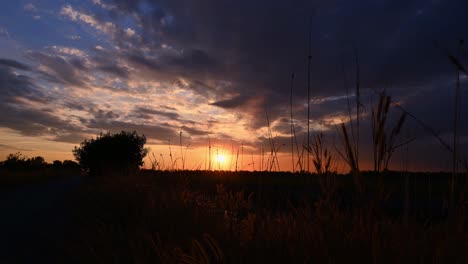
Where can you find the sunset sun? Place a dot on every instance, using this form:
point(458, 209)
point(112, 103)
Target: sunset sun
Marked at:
point(221, 158)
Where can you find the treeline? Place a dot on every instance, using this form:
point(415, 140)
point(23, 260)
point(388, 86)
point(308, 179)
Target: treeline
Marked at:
point(20, 162)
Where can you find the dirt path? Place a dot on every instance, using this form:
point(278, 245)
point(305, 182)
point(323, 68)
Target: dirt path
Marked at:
point(32, 220)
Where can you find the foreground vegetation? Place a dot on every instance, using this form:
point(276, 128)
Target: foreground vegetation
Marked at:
point(249, 217)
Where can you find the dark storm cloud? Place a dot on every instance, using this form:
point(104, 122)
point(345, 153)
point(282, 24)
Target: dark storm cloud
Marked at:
point(73, 137)
point(31, 122)
point(146, 113)
point(240, 54)
point(434, 106)
point(75, 105)
point(235, 102)
point(78, 64)
point(14, 64)
point(14, 85)
point(157, 132)
point(195, 60)
point(59, 70)
point(138, 59)
point(101, 114)
point(114, 70)
point(257, 45)
point(283, 126)
point(17, 114)
point(193, 131)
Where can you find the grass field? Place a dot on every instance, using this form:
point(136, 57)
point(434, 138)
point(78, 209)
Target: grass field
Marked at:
point(258, 217)
point(11, 179)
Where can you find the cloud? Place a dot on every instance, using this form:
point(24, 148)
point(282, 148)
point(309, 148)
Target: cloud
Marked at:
point(111, 29)
point(158, 132)
point(13, 148)
point(102, 4)
point(115, 70)
point(14, 64)
point(105, 27)
point(74, 37)
point(30, 7)
point(235, 102)
point(32, 10)
point(147, 113)
point(70, 51)
point(193, 131)
point(13, 85)
point(57, 69)
point(24, 105)
point(259, 51)
point(4, 32)
point(226, 64)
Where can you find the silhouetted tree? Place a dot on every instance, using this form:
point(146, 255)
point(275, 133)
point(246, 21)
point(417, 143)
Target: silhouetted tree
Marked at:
point(57, 164)
point(16, 161)
point(70, 165)
point(37, 162)
point(118, 154)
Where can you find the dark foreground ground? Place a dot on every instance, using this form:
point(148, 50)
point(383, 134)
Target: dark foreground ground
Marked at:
point(236, 217)
point(33, 219)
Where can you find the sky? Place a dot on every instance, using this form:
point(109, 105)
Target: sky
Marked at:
point(220, 71)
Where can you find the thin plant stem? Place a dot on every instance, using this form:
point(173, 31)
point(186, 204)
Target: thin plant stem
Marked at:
point(309, 59)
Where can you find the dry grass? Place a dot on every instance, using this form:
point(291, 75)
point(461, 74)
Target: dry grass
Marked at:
point(384, 145)
point(171, 220)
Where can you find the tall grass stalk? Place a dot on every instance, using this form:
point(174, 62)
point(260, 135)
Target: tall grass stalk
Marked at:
point(162, 161)
point(384, 145)
point(321, 157)
point(426, 127)
point(293, 131)
point(209, 153)
point(348, 103)
point(242, 156)
point(351, 143)
point(170, 155)
point(456, 119)
point(349, 156)
point(262, 158)
point(253, 162)
point(292, 122)
point(154, 164)
point(309, 59)
point(271, 140)
point(181, 151)
point(358, 105)
point(237, 158)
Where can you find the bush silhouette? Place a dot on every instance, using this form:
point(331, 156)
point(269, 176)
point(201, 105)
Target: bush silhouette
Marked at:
point(15, 161)
point(18, 161)
point(119, 154)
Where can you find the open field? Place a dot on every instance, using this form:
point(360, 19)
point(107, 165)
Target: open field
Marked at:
point(11, 179)
point(253, 217)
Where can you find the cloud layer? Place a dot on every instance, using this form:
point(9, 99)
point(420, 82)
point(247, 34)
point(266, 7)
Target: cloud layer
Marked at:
point(220, 67)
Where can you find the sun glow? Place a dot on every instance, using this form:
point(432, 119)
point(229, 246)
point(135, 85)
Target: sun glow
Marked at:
point(221, 158)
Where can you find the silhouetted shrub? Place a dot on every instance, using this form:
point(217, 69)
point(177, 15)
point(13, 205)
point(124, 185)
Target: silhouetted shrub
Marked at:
point(57, 164)
point(70, 165)
point(15, 161)
point(37, 162)
point(119, 154)
point(18, 161)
